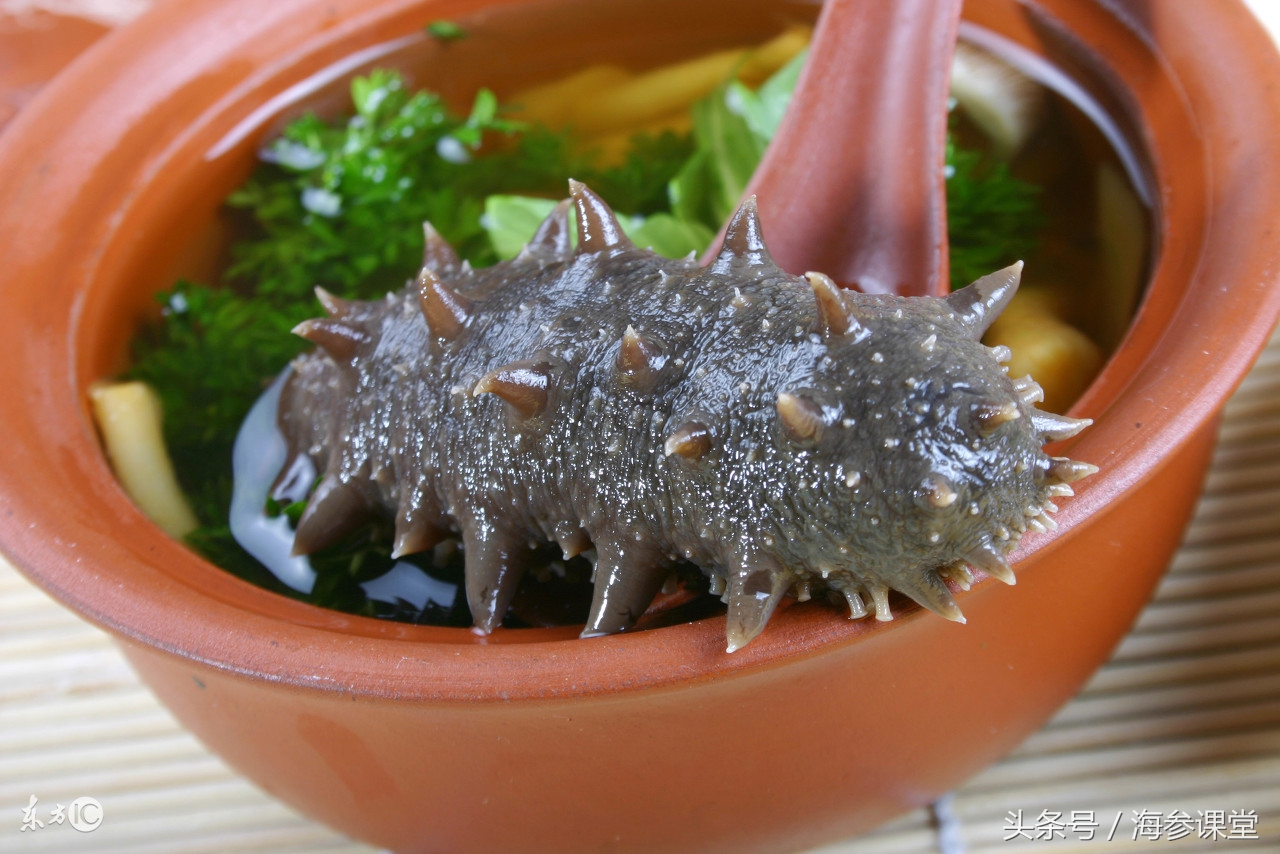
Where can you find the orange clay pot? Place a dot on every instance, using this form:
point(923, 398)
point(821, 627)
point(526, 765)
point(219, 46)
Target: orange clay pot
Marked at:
point(426, 739)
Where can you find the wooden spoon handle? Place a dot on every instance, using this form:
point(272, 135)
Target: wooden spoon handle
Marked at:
point(852, 184)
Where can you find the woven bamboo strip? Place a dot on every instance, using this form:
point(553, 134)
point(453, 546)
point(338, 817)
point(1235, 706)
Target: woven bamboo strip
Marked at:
point(1188, 579)
point(1183, 696)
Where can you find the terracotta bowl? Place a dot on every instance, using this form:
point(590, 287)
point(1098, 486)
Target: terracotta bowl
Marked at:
point(425, 739)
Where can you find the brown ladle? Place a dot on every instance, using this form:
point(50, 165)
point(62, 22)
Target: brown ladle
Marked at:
point(870, 113)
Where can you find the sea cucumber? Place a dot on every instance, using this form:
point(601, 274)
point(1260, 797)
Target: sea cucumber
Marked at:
point(783, 434)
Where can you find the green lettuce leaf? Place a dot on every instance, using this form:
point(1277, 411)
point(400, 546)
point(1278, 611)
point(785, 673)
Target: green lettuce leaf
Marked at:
point(511, 220)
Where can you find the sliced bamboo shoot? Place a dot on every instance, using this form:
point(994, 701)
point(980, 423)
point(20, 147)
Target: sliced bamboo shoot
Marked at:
point(129, 418)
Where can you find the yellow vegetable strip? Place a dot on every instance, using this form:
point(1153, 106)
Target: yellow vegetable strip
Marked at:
point(652, 95)
point(553, 104)
point(1122, 233)
point(760, 63)
point(129, 417)
point(1061, 358)
point(597, 102)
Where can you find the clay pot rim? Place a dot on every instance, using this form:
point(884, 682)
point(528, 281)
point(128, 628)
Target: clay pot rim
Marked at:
point(133, 587)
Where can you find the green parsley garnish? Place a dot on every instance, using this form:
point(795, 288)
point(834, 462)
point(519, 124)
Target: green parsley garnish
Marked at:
point(446, 31)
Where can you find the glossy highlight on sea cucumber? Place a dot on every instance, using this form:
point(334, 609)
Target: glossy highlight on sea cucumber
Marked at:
point(785, 435)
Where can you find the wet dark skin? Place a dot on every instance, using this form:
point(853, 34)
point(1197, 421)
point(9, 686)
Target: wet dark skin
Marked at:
point(783, 434)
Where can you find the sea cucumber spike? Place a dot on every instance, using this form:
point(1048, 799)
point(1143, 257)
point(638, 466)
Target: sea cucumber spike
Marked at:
point(804, 591)
point(1051, 428)
point(338, 338)
point(1002, 354)
point(496, 559)
point(992, 415)
point(1064, 470)
point(880, 596)
point(437, 255)
point(930, 592)
point(717, 585)
point(552, 237)
point(857, 608)
point(939, 492)
point(413, 540)
point(959, 573)
point(988, 558)
point(414, 529)
point(754, 594)
point(1028, 390)
point(627, 579)
point(522, 384)
point(334, 306)
point(834, 317)
point(573, 543)
point(802, 419)
point(690, 440)
point(638, 358)
point(743, 238)
point(446, 312)
point(598, 228)
point(978, 304)
point(1060, 490)
point(335, 510)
